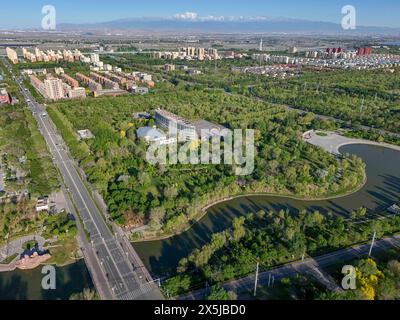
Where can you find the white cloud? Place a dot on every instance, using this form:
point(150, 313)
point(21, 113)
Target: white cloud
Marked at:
point(192, 16)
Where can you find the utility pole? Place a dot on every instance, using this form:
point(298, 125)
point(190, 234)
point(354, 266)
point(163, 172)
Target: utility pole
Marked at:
point(372, 244)
point(362, 104)
point(256, 280)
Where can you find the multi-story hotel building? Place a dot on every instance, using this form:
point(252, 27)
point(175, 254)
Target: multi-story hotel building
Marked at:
point(175, 124)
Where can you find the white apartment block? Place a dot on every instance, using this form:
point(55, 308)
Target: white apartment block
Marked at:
point(54, 88)
point(12, 55)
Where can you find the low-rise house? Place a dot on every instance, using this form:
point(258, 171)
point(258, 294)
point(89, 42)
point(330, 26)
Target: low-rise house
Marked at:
point(43, 204)
point(140, 90)
point(85, 134)
point(193, 72)
point(5, 98)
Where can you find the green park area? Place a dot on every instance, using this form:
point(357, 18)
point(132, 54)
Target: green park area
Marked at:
point(169, 198)
point(276, 238)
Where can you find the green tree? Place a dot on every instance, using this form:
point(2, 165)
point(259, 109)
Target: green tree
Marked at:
point(220, 294)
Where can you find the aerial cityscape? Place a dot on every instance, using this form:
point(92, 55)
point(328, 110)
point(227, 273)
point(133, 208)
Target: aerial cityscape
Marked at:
point(200, 151)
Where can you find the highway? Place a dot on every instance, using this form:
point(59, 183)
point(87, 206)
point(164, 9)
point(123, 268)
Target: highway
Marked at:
point(125, 277)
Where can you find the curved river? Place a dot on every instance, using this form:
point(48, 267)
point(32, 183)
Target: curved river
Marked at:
point(381, 190)
point(161, 257)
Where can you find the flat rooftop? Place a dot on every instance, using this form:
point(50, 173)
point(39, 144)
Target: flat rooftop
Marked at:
point(173, 117)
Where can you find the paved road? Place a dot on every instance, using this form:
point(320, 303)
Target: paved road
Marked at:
point(16, 247)
point(308, 266)
point(333, 141)
point(123, 278)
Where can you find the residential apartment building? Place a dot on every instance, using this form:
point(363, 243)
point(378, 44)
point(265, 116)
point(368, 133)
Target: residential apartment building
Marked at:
point(169, 67)
point(94, 58)
point(71, 81)
point(109, 84)
point(77, 93)
point(12, 55)
point(51, 88)
point(54, 88)
point(93, 85)
point(38, 85)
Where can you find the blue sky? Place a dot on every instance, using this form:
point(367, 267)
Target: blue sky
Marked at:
point(27, 13)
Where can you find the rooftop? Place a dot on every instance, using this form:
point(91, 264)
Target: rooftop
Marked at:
point(214, 129)
point(173, 117)
point(150, 133)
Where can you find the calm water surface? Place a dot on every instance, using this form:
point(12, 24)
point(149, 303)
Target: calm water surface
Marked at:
point(26, 285)
point(382, 190)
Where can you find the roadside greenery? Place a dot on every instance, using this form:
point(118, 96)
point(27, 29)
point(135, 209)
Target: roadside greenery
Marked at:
point(170, 198)
point(220, 294)
point(376, 279)
point(86, 294)
point(23, 151)
point(272, 239)
point(364, 97)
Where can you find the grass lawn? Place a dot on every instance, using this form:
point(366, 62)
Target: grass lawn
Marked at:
point(9, 259)
point(64, 251)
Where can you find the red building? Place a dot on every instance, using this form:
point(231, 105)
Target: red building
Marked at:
point(364, 51)
point(4, 97)
point(334, 50)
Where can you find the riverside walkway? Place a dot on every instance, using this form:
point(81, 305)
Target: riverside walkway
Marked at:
point(15, 248)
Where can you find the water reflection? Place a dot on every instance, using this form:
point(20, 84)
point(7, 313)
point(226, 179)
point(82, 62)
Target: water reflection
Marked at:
point(26, 285)
point(381, 190)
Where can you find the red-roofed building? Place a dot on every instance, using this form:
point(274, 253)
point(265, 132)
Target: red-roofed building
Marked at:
point(4, 97)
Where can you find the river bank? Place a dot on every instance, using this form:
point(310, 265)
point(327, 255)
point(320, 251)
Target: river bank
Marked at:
point(381, 189)
point(319, 141)
point(205, 209)
point(26, 285)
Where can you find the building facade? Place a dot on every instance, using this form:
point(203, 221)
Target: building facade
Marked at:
point(54, 88)
point(176, 125)
point(12, 55)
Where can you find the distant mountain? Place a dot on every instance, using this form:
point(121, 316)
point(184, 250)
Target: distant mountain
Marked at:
point(194, 24)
